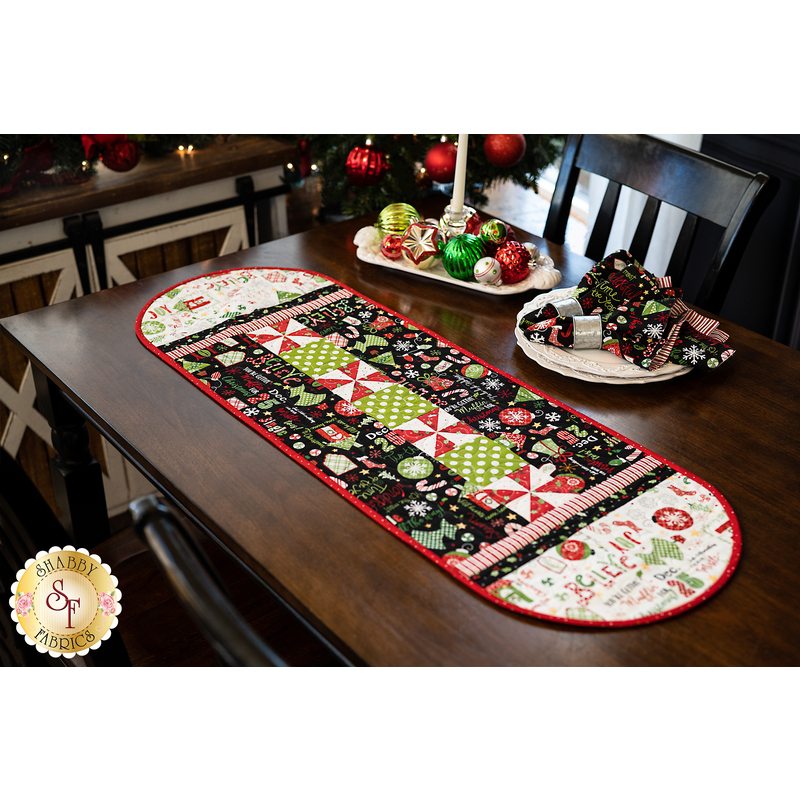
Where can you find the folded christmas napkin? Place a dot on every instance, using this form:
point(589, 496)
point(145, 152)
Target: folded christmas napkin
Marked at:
point(620, 307)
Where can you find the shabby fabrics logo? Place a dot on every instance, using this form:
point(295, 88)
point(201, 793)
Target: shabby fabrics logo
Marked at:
point(65, 602)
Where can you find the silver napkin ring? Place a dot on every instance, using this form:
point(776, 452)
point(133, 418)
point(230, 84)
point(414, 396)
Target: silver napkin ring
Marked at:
point(568, 307)
point(587, 333)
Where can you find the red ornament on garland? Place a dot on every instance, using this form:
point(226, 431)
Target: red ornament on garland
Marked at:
point(504, 149)
point(440, 162)
point(115, 151)
point(514, 261)
point(366, 166)
point(121, 156)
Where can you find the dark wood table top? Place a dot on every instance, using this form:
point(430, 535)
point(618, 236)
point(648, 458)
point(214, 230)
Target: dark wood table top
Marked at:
point(371, 594)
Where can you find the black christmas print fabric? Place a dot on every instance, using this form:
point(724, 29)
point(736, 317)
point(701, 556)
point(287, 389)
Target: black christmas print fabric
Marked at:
point(497, 483)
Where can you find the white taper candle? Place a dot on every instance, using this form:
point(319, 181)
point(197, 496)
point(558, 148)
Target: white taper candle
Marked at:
point(457, 206)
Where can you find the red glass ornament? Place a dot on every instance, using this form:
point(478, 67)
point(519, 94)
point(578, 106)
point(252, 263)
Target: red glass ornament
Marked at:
point(514, 261)
point(440, 162)
point(390, 246)
point(504, 149)
point(121, 156)
point(365, 166)
point(93, 143)
point(474, 222)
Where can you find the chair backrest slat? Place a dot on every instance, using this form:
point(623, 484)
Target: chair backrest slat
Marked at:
point(676, 268)
point(595, 247)
point(644, 230)
point(719, 276)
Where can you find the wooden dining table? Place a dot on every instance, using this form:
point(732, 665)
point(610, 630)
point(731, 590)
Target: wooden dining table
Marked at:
point(372, 598)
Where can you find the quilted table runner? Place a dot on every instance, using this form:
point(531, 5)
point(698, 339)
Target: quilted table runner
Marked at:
point(529, 503)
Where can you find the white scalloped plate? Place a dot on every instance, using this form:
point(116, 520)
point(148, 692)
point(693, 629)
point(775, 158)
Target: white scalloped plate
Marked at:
point(596, 366)
point(367, 251)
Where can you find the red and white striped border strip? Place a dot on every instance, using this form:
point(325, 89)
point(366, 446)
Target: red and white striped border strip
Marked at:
point(246, 327)
point(544, 524)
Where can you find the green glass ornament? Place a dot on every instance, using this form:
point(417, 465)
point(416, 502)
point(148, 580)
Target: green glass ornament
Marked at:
point(460, 255)
point(396, 218)
point(494, 230)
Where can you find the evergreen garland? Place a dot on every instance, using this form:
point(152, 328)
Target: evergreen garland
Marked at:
point(61, 159)
point(61, 156)
point(405, 154)
point(31, 158)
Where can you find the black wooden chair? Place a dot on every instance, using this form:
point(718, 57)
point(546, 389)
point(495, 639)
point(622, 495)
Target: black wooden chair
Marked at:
point(201, 592)
point(707, 189)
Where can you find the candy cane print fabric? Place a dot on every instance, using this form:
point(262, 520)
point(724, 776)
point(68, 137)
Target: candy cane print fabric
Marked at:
point(530, 504)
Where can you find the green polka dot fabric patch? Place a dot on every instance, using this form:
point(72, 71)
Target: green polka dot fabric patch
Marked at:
point(529, 504)
point(394, 406)
point(318, 357)
point(482, 461)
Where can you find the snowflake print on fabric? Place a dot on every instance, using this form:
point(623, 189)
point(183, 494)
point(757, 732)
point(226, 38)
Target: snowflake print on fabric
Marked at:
point(489, 425)
point(693, 354)
point(674, 519)
point(415, 467)
point(516, 416)
point(654, 331)
point(416, 508)
point(495, 482)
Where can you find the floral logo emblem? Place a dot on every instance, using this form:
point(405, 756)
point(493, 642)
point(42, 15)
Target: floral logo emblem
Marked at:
point(65, 602)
